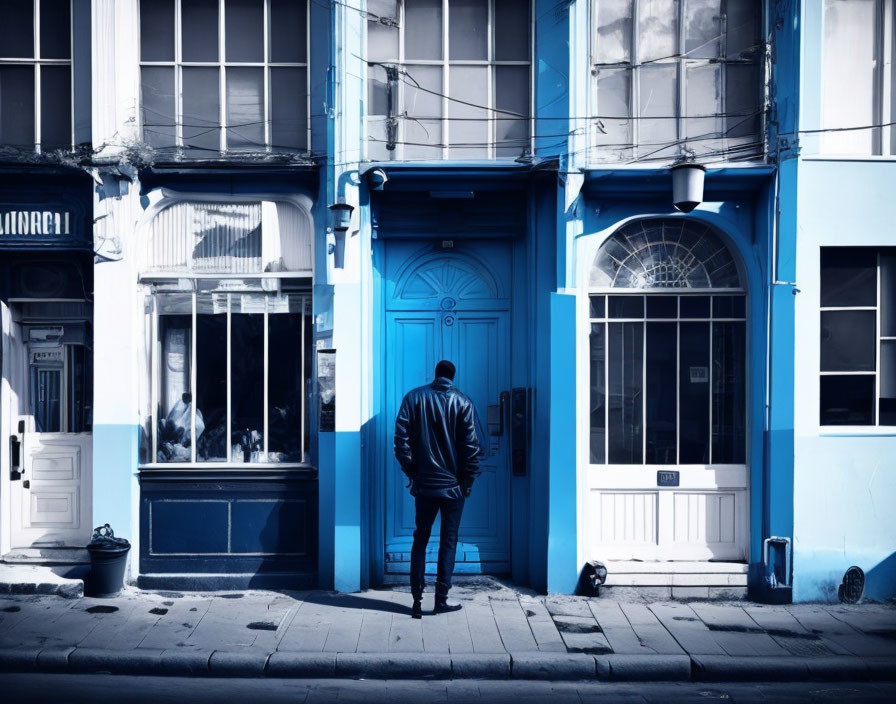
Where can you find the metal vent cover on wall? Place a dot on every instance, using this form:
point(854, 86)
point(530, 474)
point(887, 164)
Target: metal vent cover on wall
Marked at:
point(853, 586)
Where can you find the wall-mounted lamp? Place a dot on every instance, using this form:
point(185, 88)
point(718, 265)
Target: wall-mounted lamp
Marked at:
point(687, 185)
point(340, 220)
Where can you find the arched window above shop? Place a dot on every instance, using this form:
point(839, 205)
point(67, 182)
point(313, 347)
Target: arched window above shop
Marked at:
point(668, 253)
point(224, 238)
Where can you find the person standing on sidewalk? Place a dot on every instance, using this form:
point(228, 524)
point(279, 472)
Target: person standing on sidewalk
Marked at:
point(438, 448)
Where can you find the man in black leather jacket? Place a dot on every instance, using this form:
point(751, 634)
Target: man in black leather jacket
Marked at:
point(438, 448)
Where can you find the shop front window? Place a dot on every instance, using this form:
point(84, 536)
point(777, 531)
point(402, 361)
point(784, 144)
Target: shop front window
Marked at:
point(667, 346)
point(232, 374)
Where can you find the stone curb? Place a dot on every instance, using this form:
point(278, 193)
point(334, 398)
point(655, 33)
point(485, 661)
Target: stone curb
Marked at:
point(426, 666)
point(643, 668)
point(70, 589)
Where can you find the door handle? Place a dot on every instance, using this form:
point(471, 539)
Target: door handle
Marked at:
point(15, 458)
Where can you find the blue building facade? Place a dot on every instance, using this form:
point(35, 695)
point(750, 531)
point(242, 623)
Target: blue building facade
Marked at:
point(299, 208)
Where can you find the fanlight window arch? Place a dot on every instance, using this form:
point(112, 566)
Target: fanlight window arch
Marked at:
point(664, 254)
point(667, 338)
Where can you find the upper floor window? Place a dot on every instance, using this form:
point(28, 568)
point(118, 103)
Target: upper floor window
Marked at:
point(448, 79)
point(673, 78)
point(224, 75)
point(857, 66)
point(36, 75)
point(858, 336)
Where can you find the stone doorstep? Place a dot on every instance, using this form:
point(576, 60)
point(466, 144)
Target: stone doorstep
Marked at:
point(523, 666)
point(46, 556)
point(625, 573)
point(37, 579)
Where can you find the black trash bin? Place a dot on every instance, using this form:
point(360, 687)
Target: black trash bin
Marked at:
point(108, 560)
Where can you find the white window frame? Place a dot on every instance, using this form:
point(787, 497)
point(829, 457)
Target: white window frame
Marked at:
point(37, 62)
point(644, 319)
point(884, 137)
point(222, 65)
point(681, 62)
point(445, 64)
point(836, 429)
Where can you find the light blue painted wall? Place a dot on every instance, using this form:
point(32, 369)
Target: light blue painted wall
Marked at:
point(114, 482)
point(844, 482)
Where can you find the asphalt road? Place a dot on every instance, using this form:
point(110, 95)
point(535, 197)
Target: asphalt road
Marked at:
point(120, 689)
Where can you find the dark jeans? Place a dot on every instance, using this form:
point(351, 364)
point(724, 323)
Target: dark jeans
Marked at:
point(427, 508)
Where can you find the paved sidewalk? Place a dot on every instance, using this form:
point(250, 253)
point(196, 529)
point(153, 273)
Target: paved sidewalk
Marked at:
point(501, 633)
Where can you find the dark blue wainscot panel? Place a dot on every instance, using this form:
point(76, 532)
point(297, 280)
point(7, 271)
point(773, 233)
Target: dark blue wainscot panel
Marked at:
point(228, 529)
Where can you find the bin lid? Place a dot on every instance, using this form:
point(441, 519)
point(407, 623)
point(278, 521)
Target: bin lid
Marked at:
point(104, 540)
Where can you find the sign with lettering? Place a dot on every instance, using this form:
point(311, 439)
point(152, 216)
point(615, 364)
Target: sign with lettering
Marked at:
point(667, 477)
point(32, 224)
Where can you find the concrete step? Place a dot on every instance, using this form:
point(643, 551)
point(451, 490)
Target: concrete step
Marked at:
point(47, 556)
point(676, 574)
point(38, 579)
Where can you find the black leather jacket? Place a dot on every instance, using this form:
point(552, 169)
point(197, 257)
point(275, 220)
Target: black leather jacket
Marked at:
point(436, 439)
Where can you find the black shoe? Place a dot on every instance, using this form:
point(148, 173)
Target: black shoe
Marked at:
point(417, 609)
point(443, 607)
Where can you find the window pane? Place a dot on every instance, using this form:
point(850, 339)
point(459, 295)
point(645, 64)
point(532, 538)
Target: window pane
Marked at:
point(469, 126)
point(247, 383)
point(423, 104)
point(743, 85)
point(511, 30)
point(597, 305)
point(848, 276)
point(511, 96)
point(55, 29)
point(728, 393)
point(157, 89)
point(598, 393)
point(382, 42)
point(848, 339)
point(613, 110)
point(245, 108)
point(728, 307)
point(174, 439)
point(742, 22)
point(80, 381)
point(662, 306)
point(244, 30)
point(199, 30)
point(626, 382)
point(657, 29)
point(848, 58)
point(661, 392)
point(56, 107)
point(288, 108)
point(468, 29)
point(423, 29)
point(626, 307)
point(285, 387)
point(703, 29)
point(659, 100)
point(211, 379)
point(847, 400)
point(46, 399)
point(694, 306)
point(18, 44)
point(288, 31)
point(703, 124)
point(201, 107)
point(887, 383)
point(887, 295)
point(693, 401)
point(613, 43)
point(17, 106)
point(157, 30)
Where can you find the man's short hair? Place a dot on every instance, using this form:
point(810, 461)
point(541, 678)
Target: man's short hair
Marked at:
point(445, 369)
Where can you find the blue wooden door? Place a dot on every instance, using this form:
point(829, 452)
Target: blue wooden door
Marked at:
point(450, 306)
